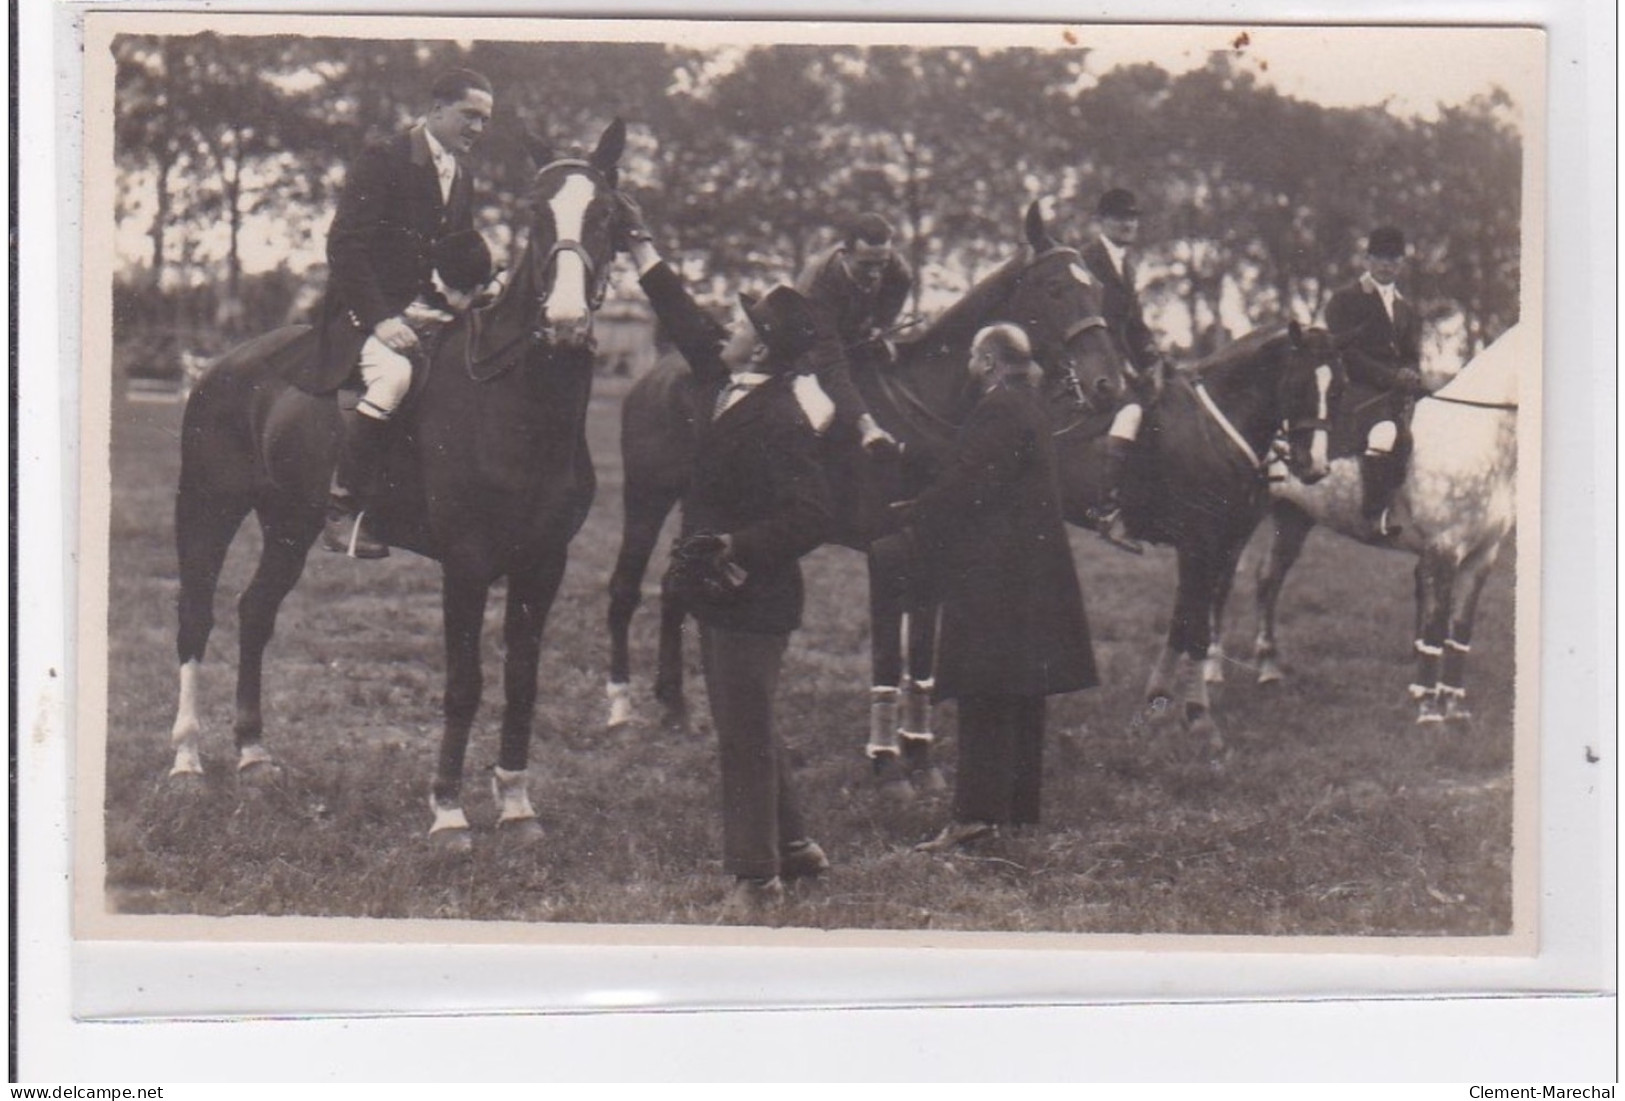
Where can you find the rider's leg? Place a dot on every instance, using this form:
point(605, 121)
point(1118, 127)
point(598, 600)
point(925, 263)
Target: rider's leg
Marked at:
point(387, 375)
point(1107, 517)
point(1382, 472)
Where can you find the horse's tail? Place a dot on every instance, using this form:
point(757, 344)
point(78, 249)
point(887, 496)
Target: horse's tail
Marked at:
point(218, 446)
point(658, 425)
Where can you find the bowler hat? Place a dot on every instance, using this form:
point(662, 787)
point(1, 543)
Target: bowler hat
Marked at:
point(1119, 202)
point(463, 259)
point(1386, 242)
point(784, 321)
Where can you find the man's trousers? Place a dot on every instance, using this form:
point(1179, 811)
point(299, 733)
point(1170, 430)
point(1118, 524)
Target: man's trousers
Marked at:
point(759, 812)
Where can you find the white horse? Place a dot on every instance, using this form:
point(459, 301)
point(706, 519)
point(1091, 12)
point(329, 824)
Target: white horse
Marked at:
point(1456, 510)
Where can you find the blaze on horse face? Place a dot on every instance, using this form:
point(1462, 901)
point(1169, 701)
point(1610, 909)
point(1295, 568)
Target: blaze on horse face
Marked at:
point(1310, 388)
point(1059, 304)
point(571, 242)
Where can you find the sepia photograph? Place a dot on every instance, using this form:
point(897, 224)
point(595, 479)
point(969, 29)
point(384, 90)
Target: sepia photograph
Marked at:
point(972, 484)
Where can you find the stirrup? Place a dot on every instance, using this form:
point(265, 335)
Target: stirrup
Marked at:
point(1112, 529)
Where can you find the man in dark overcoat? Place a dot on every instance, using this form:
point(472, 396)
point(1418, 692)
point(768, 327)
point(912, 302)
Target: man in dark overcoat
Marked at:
point(1380, 334)
point(757, 501)
point(1013, 625)
point(401, 199)
point(1109, 260)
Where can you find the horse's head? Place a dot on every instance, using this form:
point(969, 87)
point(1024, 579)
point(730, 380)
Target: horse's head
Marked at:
point(1309, 389)
point(567, 261)
point(1058, 302)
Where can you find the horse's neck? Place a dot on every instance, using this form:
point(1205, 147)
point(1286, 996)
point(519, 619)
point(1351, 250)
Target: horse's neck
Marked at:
point(1491, 377)
point(935, 371)
point(1245, 393)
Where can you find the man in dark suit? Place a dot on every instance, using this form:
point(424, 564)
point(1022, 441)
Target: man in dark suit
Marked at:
point(1013, 625)
point(860, 286)
point(1380, 334)
point(1108, 259)
point(402, 198)
point(756, 503)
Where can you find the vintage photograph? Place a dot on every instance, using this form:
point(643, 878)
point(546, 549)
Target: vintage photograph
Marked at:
point(899, 478)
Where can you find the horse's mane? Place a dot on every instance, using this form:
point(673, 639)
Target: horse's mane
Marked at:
point(1241, 349)
point(961, 320)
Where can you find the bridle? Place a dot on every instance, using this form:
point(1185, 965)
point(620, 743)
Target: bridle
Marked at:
point(542, 265)
point(1067, 363)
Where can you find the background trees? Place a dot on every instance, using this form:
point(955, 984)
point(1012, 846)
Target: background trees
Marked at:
point(229, 151)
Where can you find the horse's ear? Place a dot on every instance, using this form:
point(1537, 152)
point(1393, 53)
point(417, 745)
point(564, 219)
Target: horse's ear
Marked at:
point(1037, 235)
point(539, 150)
point(610, 145)
point(1294, 332)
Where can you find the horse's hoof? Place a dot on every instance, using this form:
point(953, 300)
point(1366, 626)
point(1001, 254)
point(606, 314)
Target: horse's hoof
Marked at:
point(930, 779)
point(524, 832)
point(188, 762)
point(452, 842)
point(1202, 726)
point(1213, 671)
point(890, 778)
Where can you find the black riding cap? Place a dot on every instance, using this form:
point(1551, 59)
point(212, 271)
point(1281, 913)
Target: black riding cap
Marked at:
point(1119, 202)
point(1386, 242)
point(784, 321)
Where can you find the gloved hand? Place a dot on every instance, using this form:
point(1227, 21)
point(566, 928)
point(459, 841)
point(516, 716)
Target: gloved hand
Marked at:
point(1411, 382)
point(629, 224)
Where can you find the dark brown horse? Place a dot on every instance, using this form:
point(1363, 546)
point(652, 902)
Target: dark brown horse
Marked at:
point(489, 474)
point(920, 399)
point(1201, 485)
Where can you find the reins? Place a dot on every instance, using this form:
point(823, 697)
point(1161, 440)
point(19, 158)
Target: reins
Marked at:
point(1500, 406)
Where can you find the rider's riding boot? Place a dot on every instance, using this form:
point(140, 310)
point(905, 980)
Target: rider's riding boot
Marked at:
point(1107, 517)
point(360, 456)
point(1381, 475)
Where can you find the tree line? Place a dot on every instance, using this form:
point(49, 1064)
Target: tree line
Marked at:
point(746, 158)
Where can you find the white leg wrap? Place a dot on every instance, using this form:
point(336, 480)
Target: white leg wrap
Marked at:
point(916, 719)
point(1213, 667)
point(882, 722)
point(620, 703)
point(512, 796)
point(446, 818)
point(183, 736)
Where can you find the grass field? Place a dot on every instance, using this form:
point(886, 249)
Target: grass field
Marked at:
point(1329, 812)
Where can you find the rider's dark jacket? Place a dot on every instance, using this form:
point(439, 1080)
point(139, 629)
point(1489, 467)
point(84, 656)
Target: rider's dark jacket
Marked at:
point(1375, 349)
point(380, 246)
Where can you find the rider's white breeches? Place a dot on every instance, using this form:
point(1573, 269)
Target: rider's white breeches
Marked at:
point(387, 375)
point(1126, 425)
point(1382, 437)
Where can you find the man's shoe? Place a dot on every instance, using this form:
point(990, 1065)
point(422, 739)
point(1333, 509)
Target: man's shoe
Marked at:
point(751, 899)
point(345, 532)
point(956, 835)
point(1114, 530)
point(802, 860)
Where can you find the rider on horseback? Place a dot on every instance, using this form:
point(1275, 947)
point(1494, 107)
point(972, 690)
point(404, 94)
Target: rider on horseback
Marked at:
point(1381, 337)
point(860, 285)
point(1107, 259)
point(401, 251)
